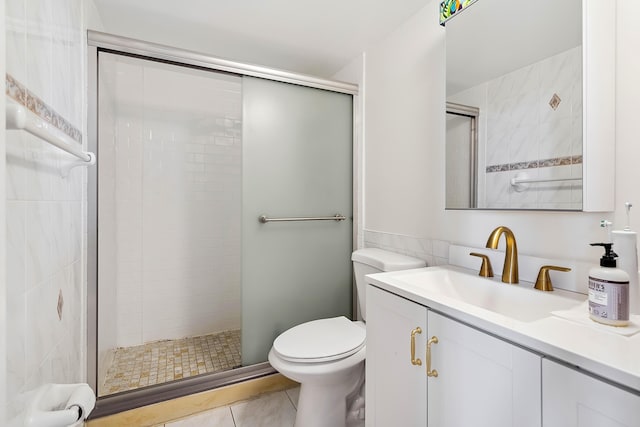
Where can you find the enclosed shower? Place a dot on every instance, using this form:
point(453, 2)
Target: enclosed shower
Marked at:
point(169, 198)
point(221, 212)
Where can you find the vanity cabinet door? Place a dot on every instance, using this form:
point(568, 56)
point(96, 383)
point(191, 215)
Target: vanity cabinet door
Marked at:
point(482, 381)
point(396, 386)
point(573, 399)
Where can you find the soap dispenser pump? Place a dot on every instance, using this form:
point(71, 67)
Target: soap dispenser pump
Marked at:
point(608, 290)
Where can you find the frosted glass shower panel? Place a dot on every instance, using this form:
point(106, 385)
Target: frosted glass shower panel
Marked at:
point(169, 211)
point(297, 162)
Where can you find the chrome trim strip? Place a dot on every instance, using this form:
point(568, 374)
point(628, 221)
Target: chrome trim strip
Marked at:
point(124, 401)
point(167, 53)
point(92, 220)
point(462, 110)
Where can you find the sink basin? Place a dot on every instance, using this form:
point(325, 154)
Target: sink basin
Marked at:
point(452, 285)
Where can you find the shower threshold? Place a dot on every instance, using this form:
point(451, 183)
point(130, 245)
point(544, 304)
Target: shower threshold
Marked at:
point(169, 360)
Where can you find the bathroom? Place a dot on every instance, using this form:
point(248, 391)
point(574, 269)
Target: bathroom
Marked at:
point(399, 177)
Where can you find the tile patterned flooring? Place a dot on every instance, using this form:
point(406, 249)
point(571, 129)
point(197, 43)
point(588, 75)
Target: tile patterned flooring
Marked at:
point(168, 360)
point(276, 409)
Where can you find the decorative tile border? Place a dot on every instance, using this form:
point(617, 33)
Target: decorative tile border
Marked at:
point(19, 93)
point(534, 164)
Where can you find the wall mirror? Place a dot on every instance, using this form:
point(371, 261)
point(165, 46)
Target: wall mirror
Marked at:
point(521, 97)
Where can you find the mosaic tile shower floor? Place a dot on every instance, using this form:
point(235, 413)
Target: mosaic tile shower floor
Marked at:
point(163, 361)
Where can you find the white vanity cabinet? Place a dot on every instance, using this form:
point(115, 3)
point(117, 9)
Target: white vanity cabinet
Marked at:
point(396, 387)
point(573, 399)
point(481, 380)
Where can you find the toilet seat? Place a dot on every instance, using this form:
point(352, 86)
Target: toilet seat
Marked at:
point(321, 340)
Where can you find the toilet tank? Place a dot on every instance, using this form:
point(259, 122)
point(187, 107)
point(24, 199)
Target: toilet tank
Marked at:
point(374, 260)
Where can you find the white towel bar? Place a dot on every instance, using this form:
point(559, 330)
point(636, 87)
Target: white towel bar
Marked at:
point(18, 118)
point(520, 181)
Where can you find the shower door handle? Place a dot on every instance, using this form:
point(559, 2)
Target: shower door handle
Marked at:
point(337, 217)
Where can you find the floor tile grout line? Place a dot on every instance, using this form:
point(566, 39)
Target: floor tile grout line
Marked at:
point(290, 400)
point(233, 417)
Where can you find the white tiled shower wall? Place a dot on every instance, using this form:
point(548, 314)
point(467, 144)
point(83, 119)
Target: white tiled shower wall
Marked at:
point(519, 126)
point(170, 188)
point(107, 295)
point(45, 227)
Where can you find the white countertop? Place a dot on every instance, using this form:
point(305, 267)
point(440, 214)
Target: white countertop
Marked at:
point(592, 348)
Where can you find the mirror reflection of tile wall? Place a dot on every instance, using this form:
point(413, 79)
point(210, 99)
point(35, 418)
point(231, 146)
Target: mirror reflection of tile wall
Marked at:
point(521, 133)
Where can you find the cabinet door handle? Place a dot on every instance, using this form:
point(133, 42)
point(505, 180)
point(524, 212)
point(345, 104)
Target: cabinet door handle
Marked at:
point(431, 372)
point(414, 361)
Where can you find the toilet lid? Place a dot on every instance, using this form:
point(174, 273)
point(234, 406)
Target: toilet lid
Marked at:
point(320, 340)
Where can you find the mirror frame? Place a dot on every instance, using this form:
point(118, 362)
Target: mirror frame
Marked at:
point(598, 108)
point(599, 102)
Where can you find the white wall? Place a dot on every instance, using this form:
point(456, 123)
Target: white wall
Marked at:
point(404, 121)
point(353, 72)
point(405, 151)
point(44, 211)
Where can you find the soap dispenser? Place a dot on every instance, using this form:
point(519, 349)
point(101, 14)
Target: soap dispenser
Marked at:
point(608, 290)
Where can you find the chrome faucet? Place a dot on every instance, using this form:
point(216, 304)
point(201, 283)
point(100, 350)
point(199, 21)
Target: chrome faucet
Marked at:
point(510, 267)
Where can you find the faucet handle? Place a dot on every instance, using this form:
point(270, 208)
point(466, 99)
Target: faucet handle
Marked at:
point(543, 282)
point(485, 268)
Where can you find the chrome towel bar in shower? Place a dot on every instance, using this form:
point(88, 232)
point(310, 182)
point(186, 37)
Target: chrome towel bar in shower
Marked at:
point(337, 217)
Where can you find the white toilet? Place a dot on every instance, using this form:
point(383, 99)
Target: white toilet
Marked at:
point(327, 356)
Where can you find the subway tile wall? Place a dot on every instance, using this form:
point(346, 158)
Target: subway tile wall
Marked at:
point(45, 228)
point(170, 201)
point(107, 295)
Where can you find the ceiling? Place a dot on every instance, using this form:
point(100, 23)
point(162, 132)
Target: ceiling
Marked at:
point(311, 37)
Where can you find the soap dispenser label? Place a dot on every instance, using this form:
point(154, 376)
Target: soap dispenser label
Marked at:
point(608, 299)
point(597, 295)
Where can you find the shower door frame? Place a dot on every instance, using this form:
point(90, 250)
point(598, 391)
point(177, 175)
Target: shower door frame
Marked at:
point(103, 42)
point(473, 114)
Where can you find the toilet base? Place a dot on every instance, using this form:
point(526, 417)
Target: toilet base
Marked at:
point(323, 405)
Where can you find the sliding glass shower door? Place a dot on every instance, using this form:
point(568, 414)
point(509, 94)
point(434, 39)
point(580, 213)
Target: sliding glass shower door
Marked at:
point(297, 162)
point(189, 282)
